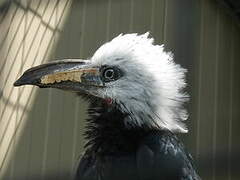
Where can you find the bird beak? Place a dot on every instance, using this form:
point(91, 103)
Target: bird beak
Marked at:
point(72, 74)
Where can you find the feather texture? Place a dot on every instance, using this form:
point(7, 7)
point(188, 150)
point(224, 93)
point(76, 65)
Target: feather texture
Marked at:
point(152, 85)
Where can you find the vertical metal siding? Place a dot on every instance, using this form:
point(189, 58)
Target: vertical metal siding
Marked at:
point(41, 130)
point(207, 81)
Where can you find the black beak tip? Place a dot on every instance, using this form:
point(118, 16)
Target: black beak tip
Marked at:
point(23, 81)
point(19, 82)
point(16, 83)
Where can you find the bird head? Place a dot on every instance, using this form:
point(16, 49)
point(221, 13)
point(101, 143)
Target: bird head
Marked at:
point(129, 72)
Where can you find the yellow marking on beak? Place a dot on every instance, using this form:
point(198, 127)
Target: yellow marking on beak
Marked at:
point(74, 76)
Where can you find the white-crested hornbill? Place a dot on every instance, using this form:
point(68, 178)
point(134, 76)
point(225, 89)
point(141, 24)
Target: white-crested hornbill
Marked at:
point(136, 92)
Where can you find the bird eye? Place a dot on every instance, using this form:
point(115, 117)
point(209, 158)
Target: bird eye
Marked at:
point(110, 74)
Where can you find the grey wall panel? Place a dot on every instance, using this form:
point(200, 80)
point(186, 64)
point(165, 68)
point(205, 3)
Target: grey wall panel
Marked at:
point(234, 141)
point(223, 95)
point(95, 26)
point(207, 77)
point(141, 16)
point(119, 20)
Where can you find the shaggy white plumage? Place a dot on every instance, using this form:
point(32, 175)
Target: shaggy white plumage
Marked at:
point(151, 88)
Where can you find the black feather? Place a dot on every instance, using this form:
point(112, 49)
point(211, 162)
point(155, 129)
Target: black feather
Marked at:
point(114, 152)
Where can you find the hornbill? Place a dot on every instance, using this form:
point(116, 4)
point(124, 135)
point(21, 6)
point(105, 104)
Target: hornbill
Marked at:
point(136, 94)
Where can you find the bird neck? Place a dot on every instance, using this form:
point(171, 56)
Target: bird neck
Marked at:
point(107, 134)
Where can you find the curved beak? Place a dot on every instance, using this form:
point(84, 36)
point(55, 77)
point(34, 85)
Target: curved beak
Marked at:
point(69, 74)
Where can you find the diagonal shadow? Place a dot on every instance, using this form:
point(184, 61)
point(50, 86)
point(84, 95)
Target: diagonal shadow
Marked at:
point(15, 34)
point(36, 14)
point(4, 8)
point(28, 29)
point(28, 52)
point(44, 57)
point(11, 22)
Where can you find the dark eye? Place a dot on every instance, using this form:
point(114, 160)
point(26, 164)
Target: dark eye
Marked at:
point(111, 74)
point(108, 74)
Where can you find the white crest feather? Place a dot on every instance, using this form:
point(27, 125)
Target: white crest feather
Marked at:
point(151, 88)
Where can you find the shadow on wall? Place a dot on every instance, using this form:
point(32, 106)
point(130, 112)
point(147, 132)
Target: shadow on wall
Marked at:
point(51, 141)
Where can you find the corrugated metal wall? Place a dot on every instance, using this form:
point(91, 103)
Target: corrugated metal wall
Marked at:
point(41, 129)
